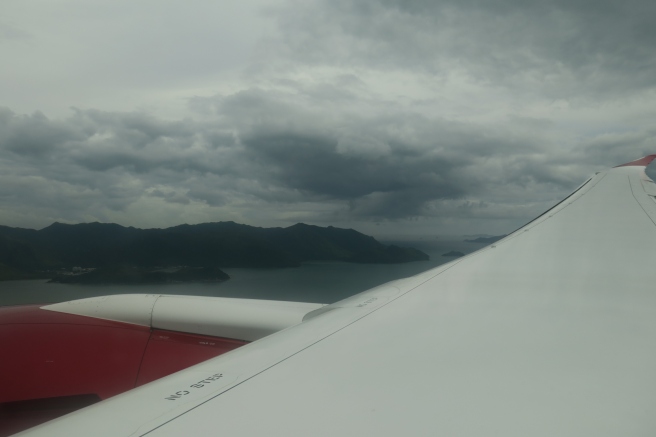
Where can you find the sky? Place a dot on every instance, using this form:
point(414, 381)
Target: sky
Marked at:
point(398, 118)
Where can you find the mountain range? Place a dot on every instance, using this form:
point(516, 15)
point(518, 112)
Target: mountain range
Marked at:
point(29, 253)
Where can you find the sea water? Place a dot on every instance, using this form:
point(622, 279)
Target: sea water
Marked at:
point(320, 282)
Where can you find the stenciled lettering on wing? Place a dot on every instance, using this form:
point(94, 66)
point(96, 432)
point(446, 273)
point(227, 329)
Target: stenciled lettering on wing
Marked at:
point(367, 302)
point(177, 395)
point(200, 384)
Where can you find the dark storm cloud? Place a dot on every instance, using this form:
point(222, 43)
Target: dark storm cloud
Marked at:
point(97, 159)
point(386, 186)
point(211, 195)
point(140, 143)
point(387, 165)
point(170, 197)
point(565, 48)
point(277, 149)
point(327, 111)
point(260, 145)
point(34, 135)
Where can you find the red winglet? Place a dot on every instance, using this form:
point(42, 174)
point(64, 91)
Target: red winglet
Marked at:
point(642, 162)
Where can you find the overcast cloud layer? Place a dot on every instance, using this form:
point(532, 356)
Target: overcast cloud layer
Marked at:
point(393, 117)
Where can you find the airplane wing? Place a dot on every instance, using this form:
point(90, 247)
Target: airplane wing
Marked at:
point(548, 332)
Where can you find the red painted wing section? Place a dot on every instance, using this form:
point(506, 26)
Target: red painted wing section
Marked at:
point(52, 354)
point(53, 363)
point(642, 162)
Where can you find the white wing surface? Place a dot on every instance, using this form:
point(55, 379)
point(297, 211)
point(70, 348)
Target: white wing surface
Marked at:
point(548, 332)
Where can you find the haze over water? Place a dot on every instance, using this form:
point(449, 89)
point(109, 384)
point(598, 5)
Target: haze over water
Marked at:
point(322, 282)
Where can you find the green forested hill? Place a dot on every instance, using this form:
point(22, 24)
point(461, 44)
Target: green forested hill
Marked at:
point(209, 245)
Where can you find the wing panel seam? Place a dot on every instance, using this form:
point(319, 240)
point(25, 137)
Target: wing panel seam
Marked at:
point(640, 203)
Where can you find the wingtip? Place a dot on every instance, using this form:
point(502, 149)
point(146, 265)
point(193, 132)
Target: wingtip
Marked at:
point(642, 162)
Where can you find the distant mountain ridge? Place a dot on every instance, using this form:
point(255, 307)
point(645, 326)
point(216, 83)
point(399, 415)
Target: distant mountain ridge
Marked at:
point(486, 240)
point(220, 244)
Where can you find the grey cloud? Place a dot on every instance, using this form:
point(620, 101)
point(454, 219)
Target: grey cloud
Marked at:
point(613, 148)
point(109, 160)
point(34, 135)
point(567, 49)
point(401, 204)
point(393, 164)
point(386, 166)
point(97, 160)
point(138, 128)
point(263, 151)
point(314, 164)
point(212, 197)
point(256, 108)
point(171, 197)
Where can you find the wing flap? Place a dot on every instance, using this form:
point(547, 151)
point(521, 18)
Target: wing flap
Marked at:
point(153, 405)
point(242, 319)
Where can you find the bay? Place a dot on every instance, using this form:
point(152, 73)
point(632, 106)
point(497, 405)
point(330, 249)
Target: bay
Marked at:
point(320, 282)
